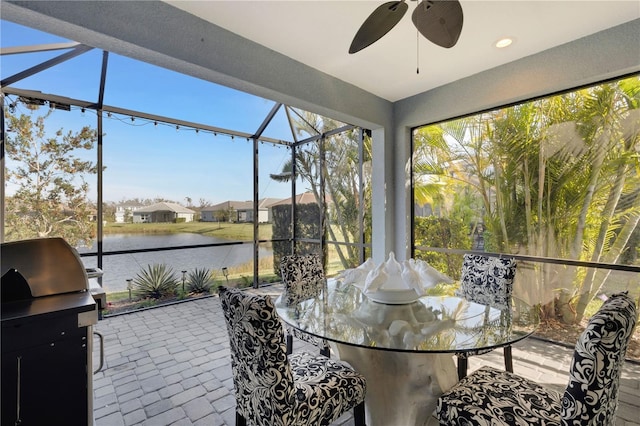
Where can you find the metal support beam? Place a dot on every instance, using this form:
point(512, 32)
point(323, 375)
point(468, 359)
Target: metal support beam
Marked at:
point(37, 48)
point(78, 50)
point(267, 120)
point(137, 114)
point(2, 167)
point(256, 228)
point(100, 118)
point(361, 230)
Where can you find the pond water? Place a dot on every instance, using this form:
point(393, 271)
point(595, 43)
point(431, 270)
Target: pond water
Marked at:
point(118, 268)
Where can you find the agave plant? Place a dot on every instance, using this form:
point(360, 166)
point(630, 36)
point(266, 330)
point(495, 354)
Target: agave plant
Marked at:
point(200, 280)
point(155, 281)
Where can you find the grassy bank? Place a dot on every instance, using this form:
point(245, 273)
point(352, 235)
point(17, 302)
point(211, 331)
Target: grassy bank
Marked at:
point(228, 231)
point(239, 276)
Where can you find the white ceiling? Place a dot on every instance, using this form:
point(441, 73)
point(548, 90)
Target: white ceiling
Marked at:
point(318, 33)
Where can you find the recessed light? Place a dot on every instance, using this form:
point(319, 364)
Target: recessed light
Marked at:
point(504, 42)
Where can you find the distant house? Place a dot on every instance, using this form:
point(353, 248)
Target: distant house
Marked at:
point(238, 211)
point(307, 199)
point(304, 198)
point(125, 210)
point(228, 211)
point(162, 213)
point(264, 209)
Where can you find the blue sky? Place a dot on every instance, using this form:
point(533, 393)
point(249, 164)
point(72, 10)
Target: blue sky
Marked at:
point(147, 160)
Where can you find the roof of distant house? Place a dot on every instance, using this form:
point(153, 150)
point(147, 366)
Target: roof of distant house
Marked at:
point(304, 198)
point(268, 202)
point(241, 205)
point(228, 205)
point(173, 207)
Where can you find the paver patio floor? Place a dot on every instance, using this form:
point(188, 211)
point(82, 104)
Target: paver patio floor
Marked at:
point(170, 366)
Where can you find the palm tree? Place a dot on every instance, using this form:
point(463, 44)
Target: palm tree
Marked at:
point(612, 126)
point(330, 167)
point(557, 178)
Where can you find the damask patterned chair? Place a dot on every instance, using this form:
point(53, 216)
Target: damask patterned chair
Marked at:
point(303, 278)
point(273, 389)
point(493, 397)
point(486, 280)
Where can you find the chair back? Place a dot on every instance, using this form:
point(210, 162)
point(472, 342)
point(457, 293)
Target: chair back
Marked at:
point(302, 276)
point(261, 372)
point(591, 397)
point(487, 280)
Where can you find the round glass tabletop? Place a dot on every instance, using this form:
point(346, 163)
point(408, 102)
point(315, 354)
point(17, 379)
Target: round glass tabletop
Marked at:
point(342, 313)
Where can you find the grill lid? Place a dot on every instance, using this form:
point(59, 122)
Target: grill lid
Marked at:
point(14, 287)
point(49, 266)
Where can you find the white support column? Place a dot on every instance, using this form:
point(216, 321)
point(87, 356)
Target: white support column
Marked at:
point(382, 195)
point(402, 193)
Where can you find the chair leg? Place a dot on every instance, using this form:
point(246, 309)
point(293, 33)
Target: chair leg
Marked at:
point(326, 351)
point(462, 368)
point(240, 420)
point(358, 415)
point(508, 360)
point(289, 344)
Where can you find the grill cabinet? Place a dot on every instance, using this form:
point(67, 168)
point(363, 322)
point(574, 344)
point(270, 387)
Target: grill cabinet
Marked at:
point(47, 314)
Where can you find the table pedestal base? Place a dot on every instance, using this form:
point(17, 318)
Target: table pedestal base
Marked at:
point(402, 387)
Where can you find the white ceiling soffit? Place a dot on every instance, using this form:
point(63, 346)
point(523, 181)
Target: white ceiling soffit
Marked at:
point(318, 34)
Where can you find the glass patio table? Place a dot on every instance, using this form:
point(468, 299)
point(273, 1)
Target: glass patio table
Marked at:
point(405, 351)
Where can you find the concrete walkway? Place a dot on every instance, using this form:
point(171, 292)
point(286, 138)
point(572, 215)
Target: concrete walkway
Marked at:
point(171, 366)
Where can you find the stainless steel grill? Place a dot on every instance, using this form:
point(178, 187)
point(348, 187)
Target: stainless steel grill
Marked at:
point(47, 314)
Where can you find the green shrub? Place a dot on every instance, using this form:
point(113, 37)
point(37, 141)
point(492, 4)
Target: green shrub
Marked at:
point(432, 231)
point(155, 282)
point(307, 225)
point(200, 280)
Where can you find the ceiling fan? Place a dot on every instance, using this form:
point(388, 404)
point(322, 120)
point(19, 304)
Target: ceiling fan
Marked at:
point(439, 21)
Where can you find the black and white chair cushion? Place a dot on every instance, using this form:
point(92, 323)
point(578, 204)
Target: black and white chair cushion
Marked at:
point(493, 397)
point(273, 389)
point(488, 281)
point(303, 278)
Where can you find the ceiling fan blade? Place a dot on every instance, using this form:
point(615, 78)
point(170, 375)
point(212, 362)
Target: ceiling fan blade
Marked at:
point(440, 21)
point(380, 22)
